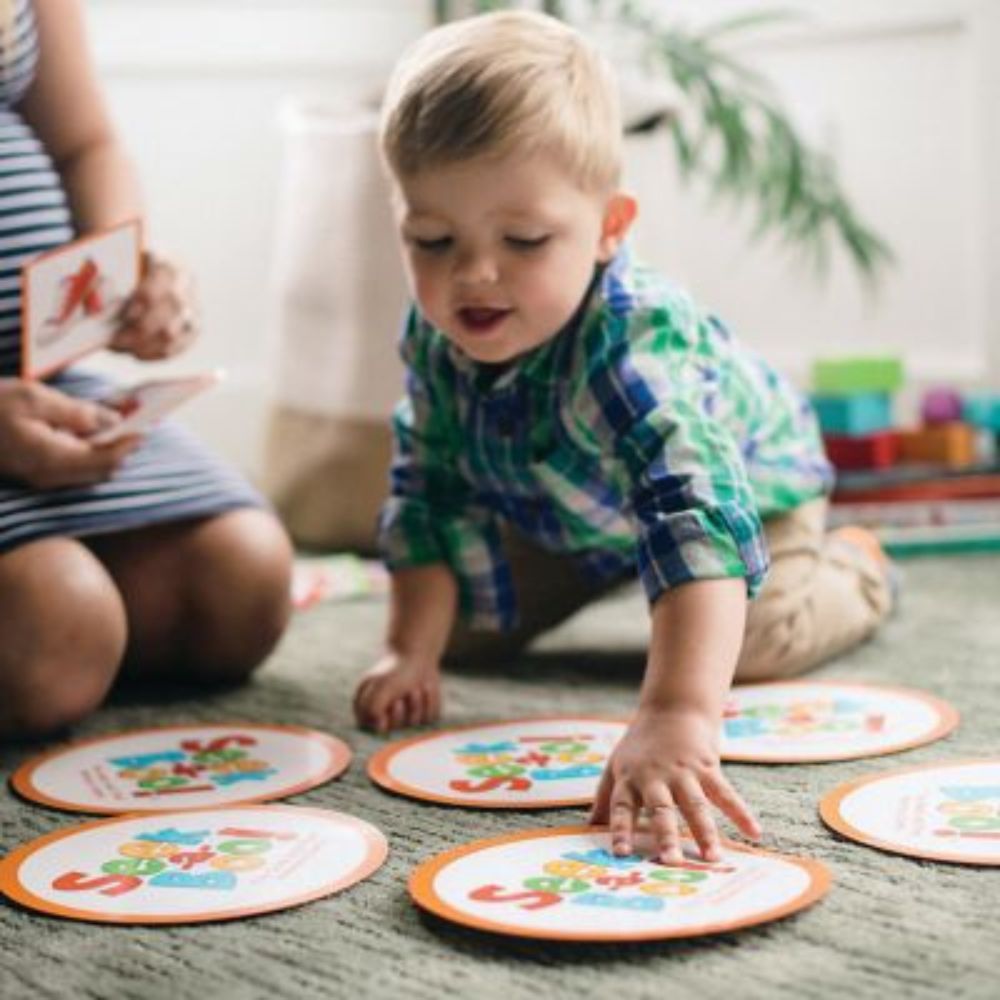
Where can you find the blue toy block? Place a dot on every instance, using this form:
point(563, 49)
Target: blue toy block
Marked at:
point(855, 415)
point(983, 410)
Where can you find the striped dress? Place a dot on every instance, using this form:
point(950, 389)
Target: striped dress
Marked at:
point(170, 477)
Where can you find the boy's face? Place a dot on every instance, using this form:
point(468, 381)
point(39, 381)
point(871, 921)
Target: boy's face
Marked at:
point(500, 252)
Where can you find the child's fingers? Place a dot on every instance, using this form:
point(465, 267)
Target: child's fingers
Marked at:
point(397, 713)
point(600, 810)
point(622, 822)
point(697, 811)
point(723, 795)
point(663, 822)
point(362, 695)
point(416, 707)
point(434, 703)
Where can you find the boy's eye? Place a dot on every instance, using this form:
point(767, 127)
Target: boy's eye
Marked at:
point(437, 245)
point(525, 242)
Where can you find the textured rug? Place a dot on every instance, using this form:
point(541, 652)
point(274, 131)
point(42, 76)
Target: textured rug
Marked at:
point(891, 927)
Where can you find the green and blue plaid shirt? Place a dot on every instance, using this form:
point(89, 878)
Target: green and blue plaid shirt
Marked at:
point(641, 437)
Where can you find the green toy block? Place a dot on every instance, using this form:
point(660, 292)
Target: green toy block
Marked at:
point(846, 376)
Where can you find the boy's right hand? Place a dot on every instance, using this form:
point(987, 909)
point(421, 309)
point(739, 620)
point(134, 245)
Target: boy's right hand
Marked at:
point(43, 437)
point(398, 691)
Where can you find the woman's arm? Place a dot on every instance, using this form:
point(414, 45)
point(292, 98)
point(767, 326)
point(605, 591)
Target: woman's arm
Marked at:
point(67, 110)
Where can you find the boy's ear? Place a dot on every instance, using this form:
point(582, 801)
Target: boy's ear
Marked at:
point(619, 215)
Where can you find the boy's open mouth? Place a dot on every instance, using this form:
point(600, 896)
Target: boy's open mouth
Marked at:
point(482, 319)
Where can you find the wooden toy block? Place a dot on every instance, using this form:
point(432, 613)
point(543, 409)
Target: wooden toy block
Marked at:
point(868, 451)
point(855, 415)
point(941, 406)
point(953, 444)
point(844, 376)
point(983, 410)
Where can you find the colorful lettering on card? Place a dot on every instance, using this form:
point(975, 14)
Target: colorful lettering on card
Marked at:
point(943, 812)
point(182, 767)
point(191, 866)
point(800, 721)
point(566, 884)
point(522, 764)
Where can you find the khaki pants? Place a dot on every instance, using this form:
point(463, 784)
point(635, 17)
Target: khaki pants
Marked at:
point(822, 597)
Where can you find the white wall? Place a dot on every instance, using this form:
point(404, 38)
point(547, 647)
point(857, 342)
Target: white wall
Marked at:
point(196, 87)
point(901, 90)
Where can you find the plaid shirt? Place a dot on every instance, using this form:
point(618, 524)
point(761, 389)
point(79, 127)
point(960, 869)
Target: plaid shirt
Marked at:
point(642, 436)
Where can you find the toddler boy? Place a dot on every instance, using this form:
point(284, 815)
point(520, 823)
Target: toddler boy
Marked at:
point(572, 418)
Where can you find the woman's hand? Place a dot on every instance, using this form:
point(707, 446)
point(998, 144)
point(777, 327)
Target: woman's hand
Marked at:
point(43, 437)
point(159, 319)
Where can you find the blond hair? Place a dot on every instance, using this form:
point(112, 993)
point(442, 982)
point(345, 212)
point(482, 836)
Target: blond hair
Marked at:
point(500, 83)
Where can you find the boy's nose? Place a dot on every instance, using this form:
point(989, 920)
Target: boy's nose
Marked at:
point(476, 269)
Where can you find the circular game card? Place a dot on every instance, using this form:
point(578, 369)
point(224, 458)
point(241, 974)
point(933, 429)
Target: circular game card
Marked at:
point(808, 721)
point(565, 884)
point(182, 767)
point(522, 764)
point(192, 866)
point(944, 812)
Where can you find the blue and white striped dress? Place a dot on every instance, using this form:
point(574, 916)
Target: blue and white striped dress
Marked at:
point(170, 477)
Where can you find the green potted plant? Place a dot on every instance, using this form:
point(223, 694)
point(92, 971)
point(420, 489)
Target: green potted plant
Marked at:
point(728, 127)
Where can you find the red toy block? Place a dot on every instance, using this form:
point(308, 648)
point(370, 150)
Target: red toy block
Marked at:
point(952, 444)
point(868, 451)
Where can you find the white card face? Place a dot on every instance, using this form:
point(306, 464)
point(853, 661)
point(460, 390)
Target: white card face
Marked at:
point(524, 764)
point(182, 767)
point(72, 296)
point(945, 812)
point(188, 867)
point(801, 721)
point(142, 406)
point(566, 884)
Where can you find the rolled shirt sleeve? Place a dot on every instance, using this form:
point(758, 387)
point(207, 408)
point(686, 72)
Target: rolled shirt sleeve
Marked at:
point(659, 405)
point(431, 514)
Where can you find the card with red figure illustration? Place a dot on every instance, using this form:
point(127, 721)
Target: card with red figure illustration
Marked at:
point(71, 297)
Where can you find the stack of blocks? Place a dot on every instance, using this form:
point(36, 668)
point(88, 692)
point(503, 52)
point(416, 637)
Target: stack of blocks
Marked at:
point(853, 400)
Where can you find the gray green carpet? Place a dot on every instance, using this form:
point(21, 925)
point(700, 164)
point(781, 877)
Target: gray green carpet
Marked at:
point(891, 927)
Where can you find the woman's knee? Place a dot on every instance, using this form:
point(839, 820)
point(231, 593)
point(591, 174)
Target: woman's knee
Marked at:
point(240, 601)
point(62, 639)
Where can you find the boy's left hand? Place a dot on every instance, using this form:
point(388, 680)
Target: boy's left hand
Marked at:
point(667, 764)
point(159, 319)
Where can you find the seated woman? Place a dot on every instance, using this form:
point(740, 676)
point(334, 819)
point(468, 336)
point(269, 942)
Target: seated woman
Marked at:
point(147, 557)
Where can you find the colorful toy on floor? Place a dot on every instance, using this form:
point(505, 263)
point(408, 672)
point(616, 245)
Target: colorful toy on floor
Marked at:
point(189, 867)
point(796, 722)
point(521, 764)
point(943, 812)
point(182, 767)
point(566, 884)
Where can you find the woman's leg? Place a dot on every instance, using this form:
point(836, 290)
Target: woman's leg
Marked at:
point(206, 600)
point(62, 636)
point(824, 595)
